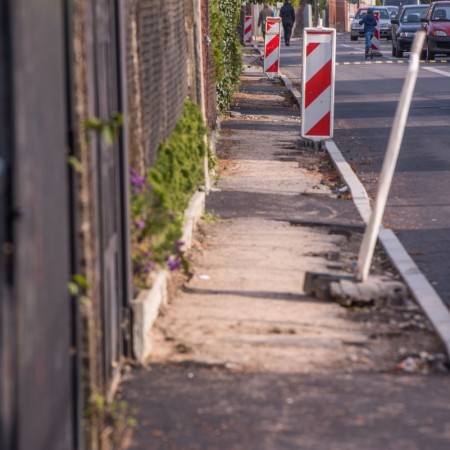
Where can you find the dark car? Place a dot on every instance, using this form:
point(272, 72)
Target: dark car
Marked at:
point(404, 27)
point(437, 27)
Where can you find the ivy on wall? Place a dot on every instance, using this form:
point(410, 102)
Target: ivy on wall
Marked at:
point(160, 197)
point(224, 20)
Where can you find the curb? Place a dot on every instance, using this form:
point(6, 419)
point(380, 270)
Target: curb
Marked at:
point(192, 214)
point(294, 92)
point(147, 304)
point(145, 311)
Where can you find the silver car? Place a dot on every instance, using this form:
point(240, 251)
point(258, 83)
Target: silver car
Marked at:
point(357, 30)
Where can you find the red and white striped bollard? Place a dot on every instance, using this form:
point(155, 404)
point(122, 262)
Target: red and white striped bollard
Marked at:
point(375, 42)
point(248, 34)
point(318, 75)
point(272, 46)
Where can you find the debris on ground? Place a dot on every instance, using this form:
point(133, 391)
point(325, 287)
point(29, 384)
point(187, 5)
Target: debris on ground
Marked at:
point(424, 363)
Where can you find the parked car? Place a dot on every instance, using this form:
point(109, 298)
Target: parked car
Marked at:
point(401, 3)
point(437, 27)
point(404, 27)
point(357, 30)
point(393, 11)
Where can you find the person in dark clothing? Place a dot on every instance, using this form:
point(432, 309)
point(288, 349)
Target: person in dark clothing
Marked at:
point(263, 15)
point(370, 23)
point(287, 15)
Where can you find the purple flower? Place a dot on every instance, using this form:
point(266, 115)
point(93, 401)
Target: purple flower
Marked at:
point(139, 223)
point(144, 267)
point(179, 247)
point(148, 267)
point(174, 263)
point(137, 182)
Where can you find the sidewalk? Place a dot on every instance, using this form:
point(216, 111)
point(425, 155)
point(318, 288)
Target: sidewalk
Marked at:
point(243, 358)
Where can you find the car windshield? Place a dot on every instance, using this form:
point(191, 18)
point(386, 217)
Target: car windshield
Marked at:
point(382, 11)
point(392, 10)
point(441, 12)
point(413, 15)
point(400, 2)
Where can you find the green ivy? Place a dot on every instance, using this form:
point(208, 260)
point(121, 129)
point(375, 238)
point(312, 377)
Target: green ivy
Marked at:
point(159, 199)
point(108, 129)
point(224, 17)
point(217, 25)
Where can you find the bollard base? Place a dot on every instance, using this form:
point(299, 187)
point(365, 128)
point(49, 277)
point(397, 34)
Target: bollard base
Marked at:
point(345, 290)
point(312, 145)
point(318, 284)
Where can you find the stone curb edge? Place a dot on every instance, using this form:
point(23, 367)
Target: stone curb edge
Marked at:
point(147, 304)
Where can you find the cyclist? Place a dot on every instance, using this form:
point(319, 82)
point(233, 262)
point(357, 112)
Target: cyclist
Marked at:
point(370, 23)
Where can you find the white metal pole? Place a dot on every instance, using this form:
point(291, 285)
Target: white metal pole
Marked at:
point(390, 160)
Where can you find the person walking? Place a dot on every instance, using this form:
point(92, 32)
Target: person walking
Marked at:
point(287, 14)
point(369, 23)
point(263, 15)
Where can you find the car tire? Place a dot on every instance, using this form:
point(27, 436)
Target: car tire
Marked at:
point(353, 38)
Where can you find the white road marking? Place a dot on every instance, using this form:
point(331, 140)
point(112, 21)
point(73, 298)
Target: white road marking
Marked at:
point(440, 72)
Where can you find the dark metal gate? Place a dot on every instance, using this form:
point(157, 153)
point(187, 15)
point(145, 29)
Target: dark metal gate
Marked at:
point(41, 405)
point(7, 335)
point(106, 87)
point(35, 311)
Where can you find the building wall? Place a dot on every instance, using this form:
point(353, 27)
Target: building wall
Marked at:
point(339, 12)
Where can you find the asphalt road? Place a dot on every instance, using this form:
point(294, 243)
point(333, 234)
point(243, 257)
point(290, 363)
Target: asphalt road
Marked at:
point(366, 97)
